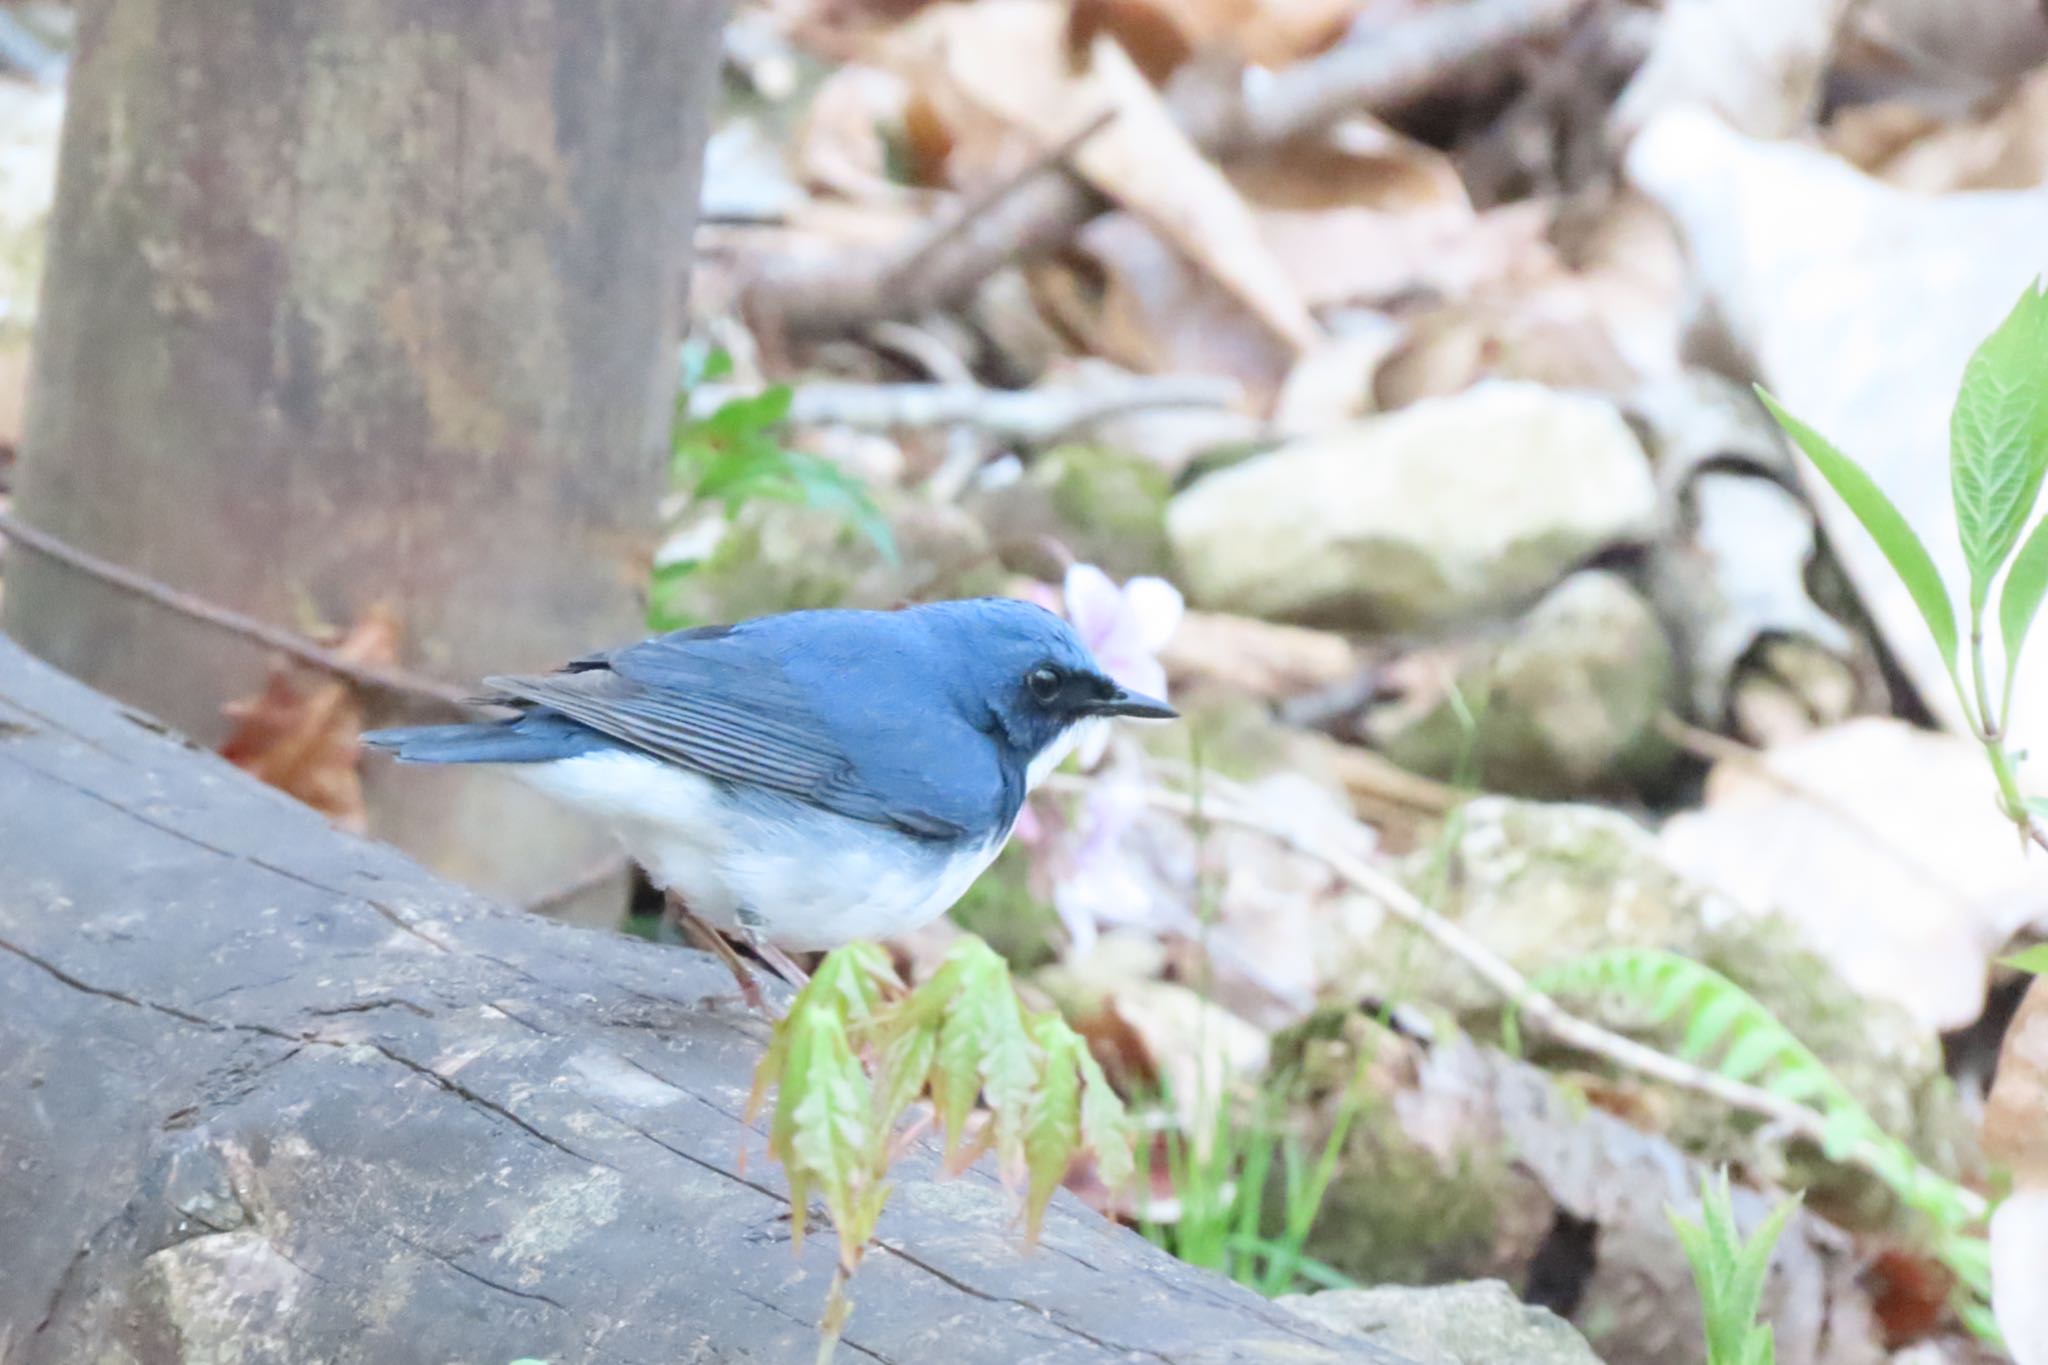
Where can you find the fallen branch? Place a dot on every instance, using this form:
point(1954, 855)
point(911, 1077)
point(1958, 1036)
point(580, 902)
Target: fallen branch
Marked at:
point(1028, 213)
point(1397, 65)
point(1223, 802)
point(979, 205)
point(1033, 416)
point(1041, 213)
point(396, 682)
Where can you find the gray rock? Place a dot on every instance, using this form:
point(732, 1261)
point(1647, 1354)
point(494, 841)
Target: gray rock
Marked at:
point(1566, 707)
point(1451, 508)
point(1102, 505)
point(1481, 1323)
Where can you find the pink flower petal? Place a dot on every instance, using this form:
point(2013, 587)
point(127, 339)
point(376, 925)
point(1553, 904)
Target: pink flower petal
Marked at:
point(1157, 607)
point(1093, 603)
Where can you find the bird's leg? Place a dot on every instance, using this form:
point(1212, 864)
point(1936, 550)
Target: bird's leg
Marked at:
point(713, 942)
point(785, 966)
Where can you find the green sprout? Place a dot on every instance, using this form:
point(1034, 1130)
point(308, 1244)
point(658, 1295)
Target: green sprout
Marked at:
point(1729, 1272)
point(734, 456)
point(858, 1051)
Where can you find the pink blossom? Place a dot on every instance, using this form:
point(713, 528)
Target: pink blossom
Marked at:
point(1125, 628)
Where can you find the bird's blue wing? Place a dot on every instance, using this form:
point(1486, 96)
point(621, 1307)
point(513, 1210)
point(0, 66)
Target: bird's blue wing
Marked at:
point(844, 734)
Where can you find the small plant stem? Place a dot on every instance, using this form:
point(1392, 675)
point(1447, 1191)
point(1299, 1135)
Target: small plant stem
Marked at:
point(1990, 724)
point(2008, 780)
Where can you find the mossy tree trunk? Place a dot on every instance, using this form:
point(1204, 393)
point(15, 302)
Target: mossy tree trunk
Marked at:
point(357, 302)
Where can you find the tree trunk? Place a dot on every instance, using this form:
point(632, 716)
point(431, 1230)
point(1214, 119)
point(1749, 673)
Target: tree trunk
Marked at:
point(356, 302)
point(270, 1094)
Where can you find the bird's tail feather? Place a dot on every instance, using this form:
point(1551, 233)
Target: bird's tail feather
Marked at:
point(532, 738)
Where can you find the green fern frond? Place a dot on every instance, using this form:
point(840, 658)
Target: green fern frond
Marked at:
point(1731, 1031)
point(1721, 1020)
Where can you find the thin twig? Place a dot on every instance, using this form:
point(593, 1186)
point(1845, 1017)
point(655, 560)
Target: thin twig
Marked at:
point(1395, 66)
point(1022, 216)
point(1033, 416)
point(1220, 804)
point(979, 204)
point(395, 681)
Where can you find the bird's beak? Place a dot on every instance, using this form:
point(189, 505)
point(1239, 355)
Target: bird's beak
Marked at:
point(1124, 702)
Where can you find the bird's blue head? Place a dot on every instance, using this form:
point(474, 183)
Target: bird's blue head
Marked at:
point(1030, 671)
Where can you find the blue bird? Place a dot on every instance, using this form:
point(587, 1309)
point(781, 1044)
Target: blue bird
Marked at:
point(804, 780)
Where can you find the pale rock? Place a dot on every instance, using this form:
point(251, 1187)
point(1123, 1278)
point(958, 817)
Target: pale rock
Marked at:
point(1477, 1323)
point(1568, 705)
point(1455, 507)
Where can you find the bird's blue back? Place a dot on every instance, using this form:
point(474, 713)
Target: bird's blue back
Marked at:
point(926, 704)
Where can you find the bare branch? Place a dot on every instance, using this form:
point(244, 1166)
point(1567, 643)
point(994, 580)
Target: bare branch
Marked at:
point(393, 681)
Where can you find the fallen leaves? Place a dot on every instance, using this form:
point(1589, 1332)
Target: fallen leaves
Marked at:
point(301, 736)
point(998, 77)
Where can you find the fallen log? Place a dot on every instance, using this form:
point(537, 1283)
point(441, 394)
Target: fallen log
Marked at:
point(272, 1093)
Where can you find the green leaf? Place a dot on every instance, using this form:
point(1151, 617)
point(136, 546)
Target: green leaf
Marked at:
point(906, 1064)
point(2020, 598)
point(1052, 1124)
point(822, 1131)
point(1998, 438)
point(737, 417)
point(2033, 960)
point(1105, 1127)
point(1894, 535)
point(852, 982)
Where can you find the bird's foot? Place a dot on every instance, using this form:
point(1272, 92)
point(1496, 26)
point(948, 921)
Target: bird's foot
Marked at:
point(709, 939)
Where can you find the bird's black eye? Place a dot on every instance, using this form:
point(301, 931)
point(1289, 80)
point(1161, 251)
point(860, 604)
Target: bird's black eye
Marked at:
point(1044, 683)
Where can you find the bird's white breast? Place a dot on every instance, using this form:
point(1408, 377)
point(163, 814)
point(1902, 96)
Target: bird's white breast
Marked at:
point(801, 876)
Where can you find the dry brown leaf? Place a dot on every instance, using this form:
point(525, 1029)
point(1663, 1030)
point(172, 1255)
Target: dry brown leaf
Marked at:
point(2016, 1115)
point(1602, 311)
point(841, 145)
point(1553, 336)
point(1161, 35)
point(303, 737)
point(1149, 32)
point(1257, 658)
point(2004, 149)
point(1359, 163)
point(998, 75)
point(1362, 255)
point(1951, 48)
point(1154, 312)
